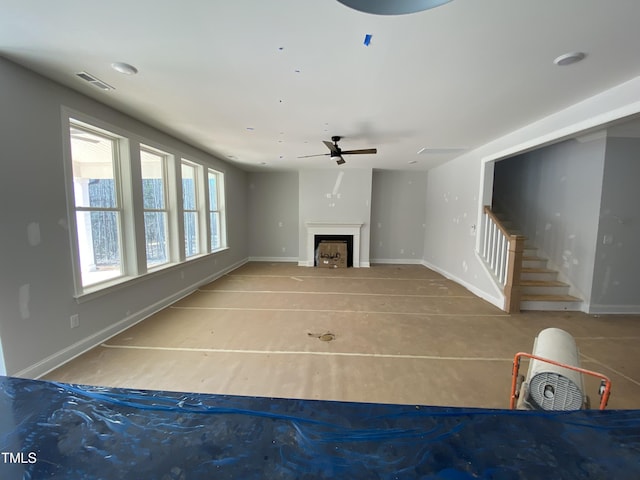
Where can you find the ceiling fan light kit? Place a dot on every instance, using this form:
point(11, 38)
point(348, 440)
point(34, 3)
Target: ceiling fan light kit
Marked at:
point(337, 152)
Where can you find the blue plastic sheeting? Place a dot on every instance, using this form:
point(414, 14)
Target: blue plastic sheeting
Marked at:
point(53, 430)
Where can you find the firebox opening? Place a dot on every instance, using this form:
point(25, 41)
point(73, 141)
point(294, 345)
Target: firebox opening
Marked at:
point(345, 238)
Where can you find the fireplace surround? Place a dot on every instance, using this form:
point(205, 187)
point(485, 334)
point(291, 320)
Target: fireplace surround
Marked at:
point(330, 229)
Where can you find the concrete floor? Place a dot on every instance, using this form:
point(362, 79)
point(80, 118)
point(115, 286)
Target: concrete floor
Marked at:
point(401, 334)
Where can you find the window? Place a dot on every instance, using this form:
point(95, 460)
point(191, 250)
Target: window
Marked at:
point(154, 199)
point(216, 210)
point(127, 219)
point(190, 206)
point(97, 203)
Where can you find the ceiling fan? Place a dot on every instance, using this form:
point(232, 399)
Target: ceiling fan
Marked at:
point(336, 152)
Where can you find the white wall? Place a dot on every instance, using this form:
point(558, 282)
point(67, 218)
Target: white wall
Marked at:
point(36, 279)
point(398, 211)
point(273, 216)
point(616, 288)
point(457, 189)
point(339, 195)
point(553, 195)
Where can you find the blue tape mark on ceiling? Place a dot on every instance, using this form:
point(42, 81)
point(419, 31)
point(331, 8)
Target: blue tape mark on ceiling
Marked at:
point(367, 39)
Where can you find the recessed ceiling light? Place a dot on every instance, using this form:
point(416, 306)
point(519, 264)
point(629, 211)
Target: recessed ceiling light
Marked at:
point(569, 58)
point(124, 68)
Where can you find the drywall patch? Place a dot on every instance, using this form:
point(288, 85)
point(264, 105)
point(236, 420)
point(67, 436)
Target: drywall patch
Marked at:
point(336, 187)
point(23, 300)
point(63, 223)
point(33, 234)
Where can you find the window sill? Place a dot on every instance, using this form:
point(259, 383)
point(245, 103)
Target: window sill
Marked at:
point(95, 291)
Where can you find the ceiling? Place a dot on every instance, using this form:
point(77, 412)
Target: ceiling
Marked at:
point(261, 83)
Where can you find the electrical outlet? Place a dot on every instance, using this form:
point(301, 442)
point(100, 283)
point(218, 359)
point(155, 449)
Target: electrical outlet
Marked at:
point(75, 321)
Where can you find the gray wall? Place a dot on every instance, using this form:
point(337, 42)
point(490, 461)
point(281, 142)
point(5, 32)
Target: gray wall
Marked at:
point(451, 226)
point(616, 287)
point(36, 280)
point(553, 195)
point(398, 209)
point(335, 196)
point(457, 189)
point(273, 216)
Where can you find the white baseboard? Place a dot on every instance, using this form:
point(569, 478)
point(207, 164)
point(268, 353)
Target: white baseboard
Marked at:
point(614, 309)
point(274, 259)
point(397, 261)
point(496, 301)
point(65, 355)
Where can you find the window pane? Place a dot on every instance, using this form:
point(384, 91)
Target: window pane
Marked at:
point(99, 244)
point(93, 169)
point(213, 191)
point(214, 218)
point(152, 180)
point(188, 187)
point(191, 233)
point(155, 232)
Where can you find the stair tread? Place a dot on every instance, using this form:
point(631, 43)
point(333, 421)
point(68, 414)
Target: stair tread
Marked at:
point(543, 283)
point(549, 298)
point(537, 270)
point(533, 257)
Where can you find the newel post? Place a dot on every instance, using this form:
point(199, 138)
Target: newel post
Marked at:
point(514, 268)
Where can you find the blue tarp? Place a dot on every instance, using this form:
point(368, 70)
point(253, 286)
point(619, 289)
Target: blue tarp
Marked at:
point(54, 430)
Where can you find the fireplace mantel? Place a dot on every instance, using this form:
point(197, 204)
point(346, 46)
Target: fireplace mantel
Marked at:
point(325, 228)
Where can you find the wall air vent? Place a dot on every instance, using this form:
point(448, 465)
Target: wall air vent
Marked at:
point(87, 77)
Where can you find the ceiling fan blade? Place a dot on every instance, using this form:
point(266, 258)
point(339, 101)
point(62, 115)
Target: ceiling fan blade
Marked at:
point(360, 152)
point(318, 155)
point(331, 147)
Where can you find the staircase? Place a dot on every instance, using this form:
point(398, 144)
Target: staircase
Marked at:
point(540, 287)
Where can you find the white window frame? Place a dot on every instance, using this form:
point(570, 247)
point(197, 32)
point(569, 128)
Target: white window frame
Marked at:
point(120, 147)
point(201, 223)
point(220, 203)
point(130, 201)
point(164, 159)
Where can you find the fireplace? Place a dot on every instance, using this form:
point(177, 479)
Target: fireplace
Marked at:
point(314, 229)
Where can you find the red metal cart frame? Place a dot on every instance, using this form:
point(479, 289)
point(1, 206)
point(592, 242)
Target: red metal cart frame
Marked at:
point(604, 393)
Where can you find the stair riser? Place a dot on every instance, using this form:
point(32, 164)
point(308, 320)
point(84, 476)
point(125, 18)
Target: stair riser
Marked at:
point(539, 275)
point(551, 306)
point(534, 263)
point(544, 290)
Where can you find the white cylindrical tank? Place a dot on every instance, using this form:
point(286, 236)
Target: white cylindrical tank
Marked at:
point(551, 387)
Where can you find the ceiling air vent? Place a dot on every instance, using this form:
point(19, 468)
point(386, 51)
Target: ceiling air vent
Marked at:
point(87, 77)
